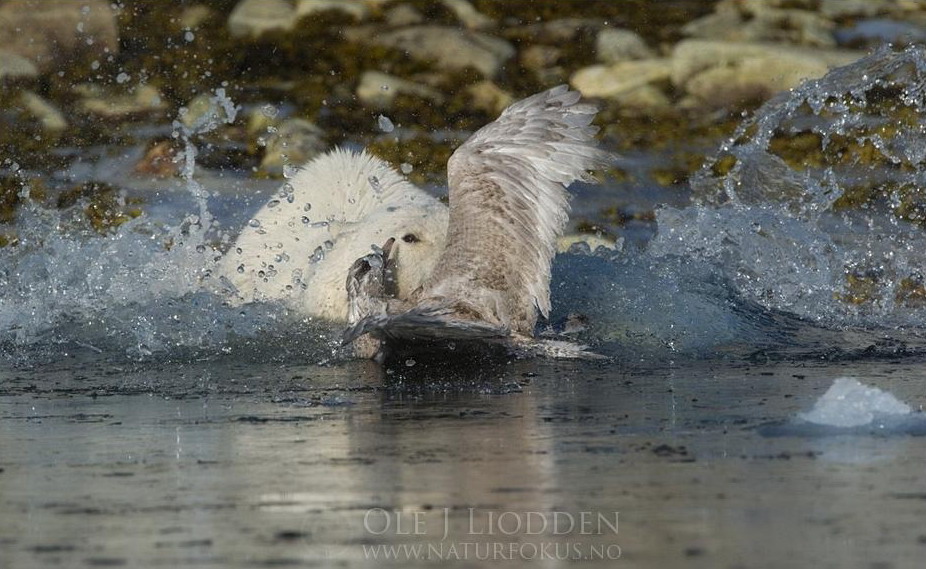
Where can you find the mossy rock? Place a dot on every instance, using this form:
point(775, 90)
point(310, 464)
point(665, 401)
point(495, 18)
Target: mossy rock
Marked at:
point(862, 287)
point(911, 292)
point(11, 195)
point(103, 208)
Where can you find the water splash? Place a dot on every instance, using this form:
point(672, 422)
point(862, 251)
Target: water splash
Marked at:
point(773, 246)
point(815, 206)
point(140, 291)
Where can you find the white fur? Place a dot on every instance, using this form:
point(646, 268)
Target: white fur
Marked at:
point(364, 202)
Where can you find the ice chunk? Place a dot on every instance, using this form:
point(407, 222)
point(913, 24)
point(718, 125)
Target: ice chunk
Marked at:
point(849, 403)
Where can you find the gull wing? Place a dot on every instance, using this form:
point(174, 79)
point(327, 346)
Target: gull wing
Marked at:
point(508, 204)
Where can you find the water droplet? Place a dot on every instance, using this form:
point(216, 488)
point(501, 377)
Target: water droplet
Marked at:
point(95, 65)
point(273, 203)
point(189, 36)
point(406, 168)
point(374, 183)
point(254, 223)
point(288, 192)
point(307, 207)
point(318, 224)
point(122, 77)
point(306, 220)
point(241, 269)
point(351, 201)
point(410, 362)
point(385, 124)
point(289, 170)
point(317, 255)
point(269, 111)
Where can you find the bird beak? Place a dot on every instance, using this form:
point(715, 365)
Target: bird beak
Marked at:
point(391, 286)
point(387, 247)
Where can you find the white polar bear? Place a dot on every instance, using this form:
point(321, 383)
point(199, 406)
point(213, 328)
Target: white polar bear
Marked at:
point(299, 247)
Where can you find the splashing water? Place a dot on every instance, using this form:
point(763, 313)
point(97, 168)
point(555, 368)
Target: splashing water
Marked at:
point(815, 207)
point(138, 291)
point(777, 246)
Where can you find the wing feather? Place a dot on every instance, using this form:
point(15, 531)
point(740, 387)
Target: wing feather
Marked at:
point(508, 204)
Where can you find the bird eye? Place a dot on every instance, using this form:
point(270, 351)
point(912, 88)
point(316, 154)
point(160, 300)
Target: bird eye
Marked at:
point(410, 238)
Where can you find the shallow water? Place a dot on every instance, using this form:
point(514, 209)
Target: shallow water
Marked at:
point(227, 464)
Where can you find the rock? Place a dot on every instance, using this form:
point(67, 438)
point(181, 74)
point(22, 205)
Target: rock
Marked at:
point(379, 90)
point(356, 8)
point(48, 115)
point(592, 242)
point(403, 15)
point(194, 16)
point(539, 58)
point(611, 81)
point(45, 30)
point(16, 66)
point(468, 15)
point(545, 62)
point(836, 9)
point(162, 158)
point(756, 22)
point(489, 97)
point(613, 45)
point(692, 57)
point(560, 30)
point(449, 47)
point(295, 142)
point(254, 17)
point(648, 98)
point(721, 73)
point(139, 101)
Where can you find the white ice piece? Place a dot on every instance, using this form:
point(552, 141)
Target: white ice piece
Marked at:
point(849, 403)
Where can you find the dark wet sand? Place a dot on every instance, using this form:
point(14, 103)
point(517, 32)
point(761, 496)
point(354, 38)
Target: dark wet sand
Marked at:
point(241, 465)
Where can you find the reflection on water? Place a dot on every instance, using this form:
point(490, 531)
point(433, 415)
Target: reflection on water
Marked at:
point(239, 465)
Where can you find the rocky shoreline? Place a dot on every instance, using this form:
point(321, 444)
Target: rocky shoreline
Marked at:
point(407, 78)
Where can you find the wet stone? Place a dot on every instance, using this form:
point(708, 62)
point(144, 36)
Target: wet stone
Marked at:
point(14, 66)
point(254, 17)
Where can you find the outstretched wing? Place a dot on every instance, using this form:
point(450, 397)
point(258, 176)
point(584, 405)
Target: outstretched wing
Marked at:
point(508, 204)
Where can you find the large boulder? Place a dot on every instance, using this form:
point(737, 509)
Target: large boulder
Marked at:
point(757, 22)
point(619, 79)
point(723, 72)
